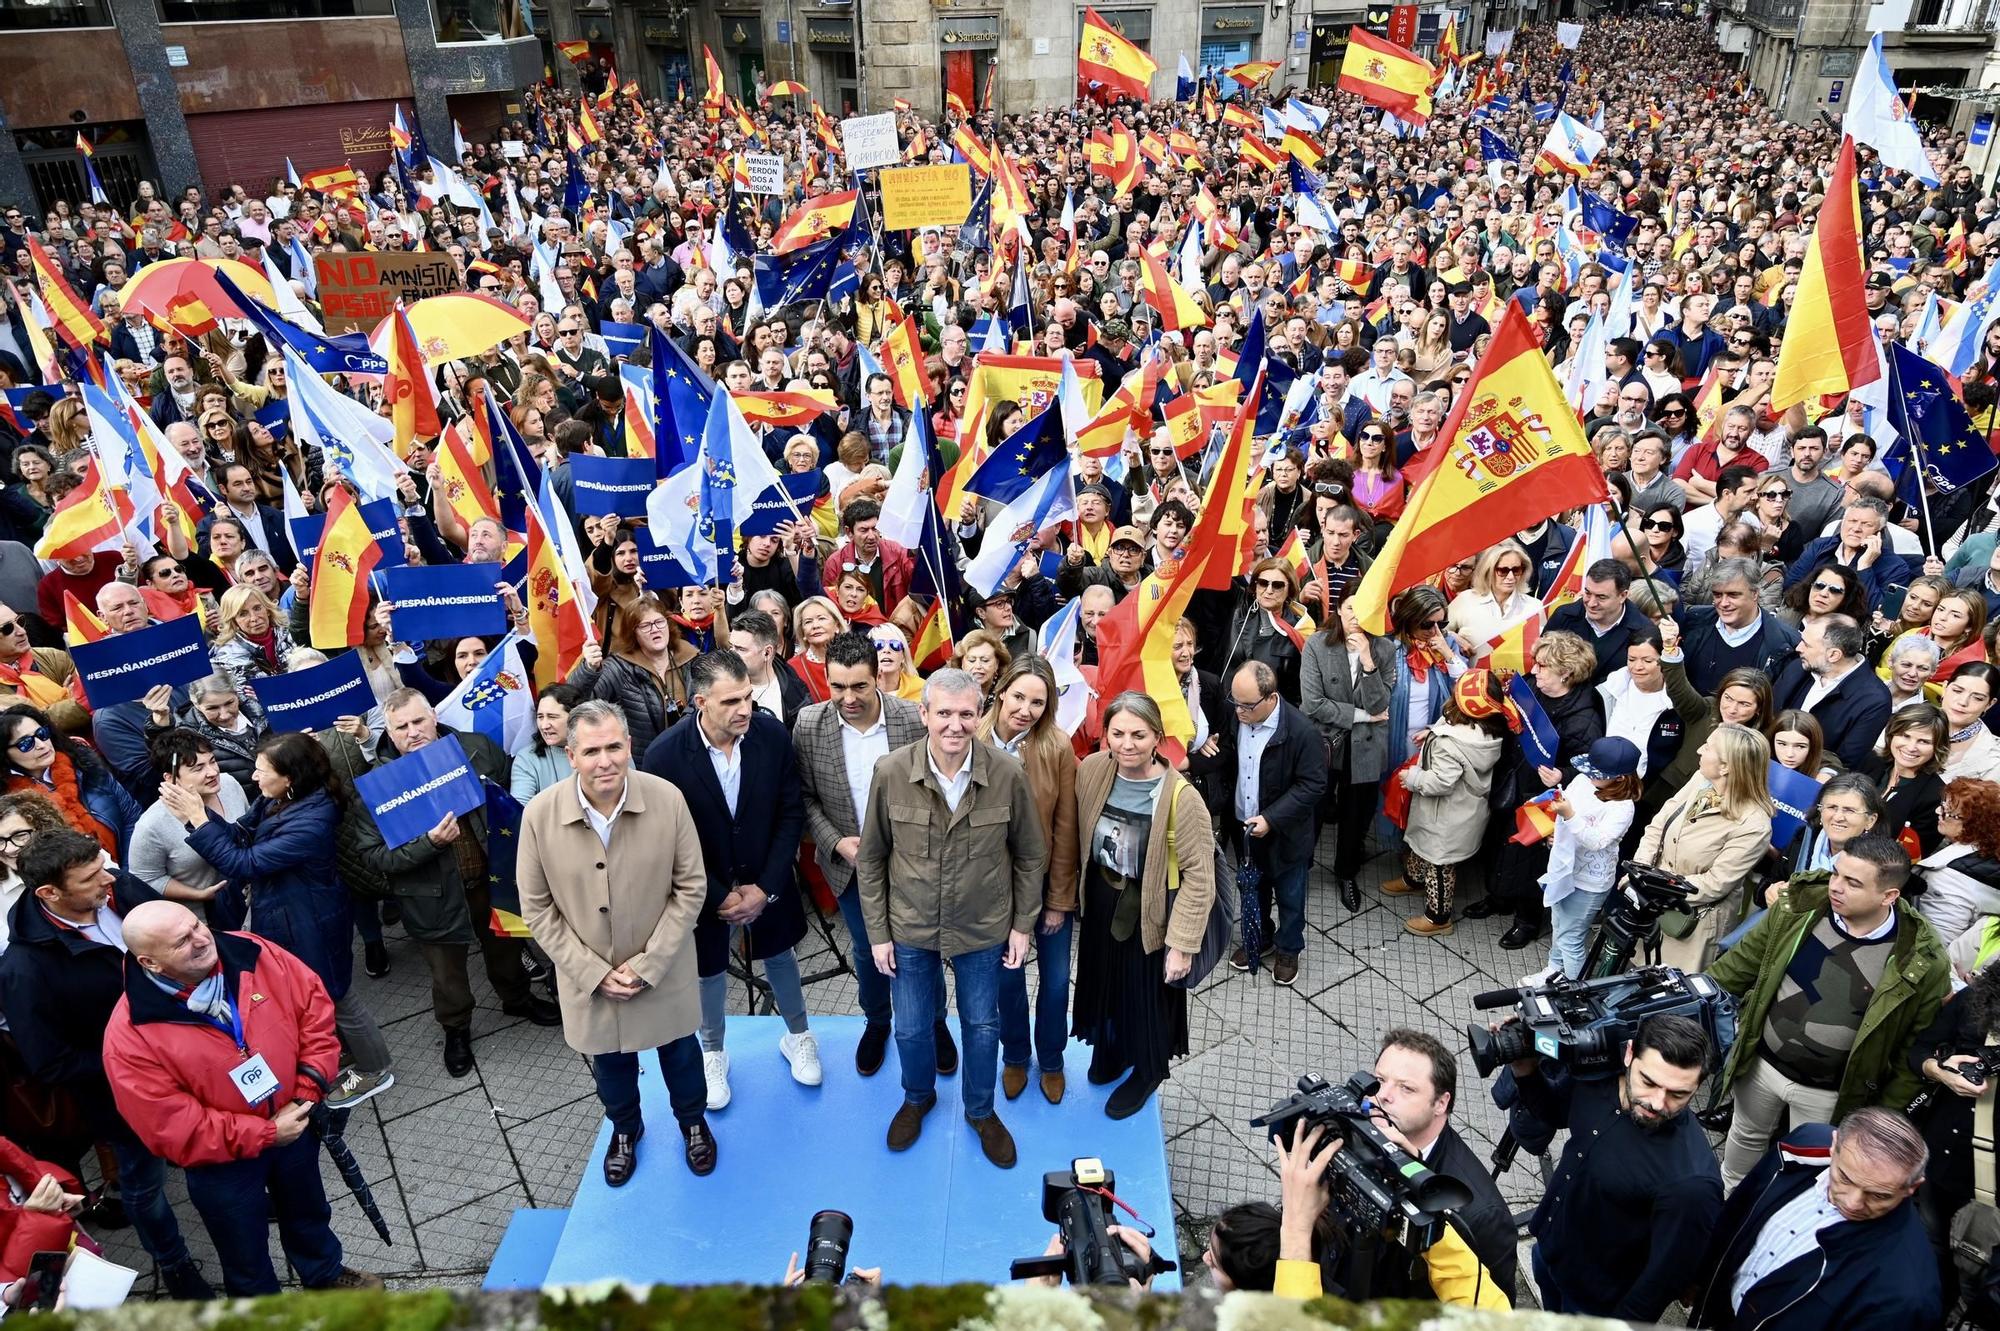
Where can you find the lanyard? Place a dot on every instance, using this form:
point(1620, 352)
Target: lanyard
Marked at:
point(233, 1028)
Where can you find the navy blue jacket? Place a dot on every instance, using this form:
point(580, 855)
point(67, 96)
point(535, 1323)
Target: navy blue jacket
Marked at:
point(1862, 1275)
point(1709, 658)
point(1850, 717)
point(282, 855)
point(276, 530)
point(758, 844)
point(1550, 554)
point(1890, 571)
point(1610, 647)
point(1291, 777)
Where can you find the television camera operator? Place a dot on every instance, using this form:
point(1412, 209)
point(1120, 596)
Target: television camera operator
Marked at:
point(1637, 1191)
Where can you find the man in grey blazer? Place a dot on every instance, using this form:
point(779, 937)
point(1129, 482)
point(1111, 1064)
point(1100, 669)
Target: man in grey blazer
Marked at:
point(837, 743)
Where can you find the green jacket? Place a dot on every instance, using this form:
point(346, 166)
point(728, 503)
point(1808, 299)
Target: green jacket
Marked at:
point(423, 877)
point(1914, 986)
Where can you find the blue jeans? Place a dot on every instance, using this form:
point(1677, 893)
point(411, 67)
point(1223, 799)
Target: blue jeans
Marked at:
point(142, 1183)
point(917, 986)
point(1289, 888)
point(1051, 1034)
point(1552, 1299)
point(617, 1078)
point(368, 918)
point(1570, 921)
point(236, 1201)
point(873, 984)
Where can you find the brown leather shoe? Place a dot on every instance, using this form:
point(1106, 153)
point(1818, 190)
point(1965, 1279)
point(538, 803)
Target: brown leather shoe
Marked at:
point(1396, 887)
point(1052, 1087)
point(1013, 1080)
point(1426, 927)
point(908, 1125)
point(1285, 969)
point(995, 1140)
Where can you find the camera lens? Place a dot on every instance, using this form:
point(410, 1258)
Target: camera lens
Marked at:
point(827, 1242)
point(1492, 1048)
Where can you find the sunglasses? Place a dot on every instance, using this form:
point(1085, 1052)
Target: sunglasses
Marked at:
point(1273, 584)
point(1673, 411)
point(1775, 494)
point(1374, 437)
point(8, 629)
point(1830, 588)
point(27, 743)
point(1655, 524)
point(1437, 623)
point(1511, 571)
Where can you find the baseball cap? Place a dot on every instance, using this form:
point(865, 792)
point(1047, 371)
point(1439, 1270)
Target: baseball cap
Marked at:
point(1608, 758)
point(1131, 534)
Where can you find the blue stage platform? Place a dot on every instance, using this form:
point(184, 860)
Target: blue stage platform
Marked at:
point(936, 1213)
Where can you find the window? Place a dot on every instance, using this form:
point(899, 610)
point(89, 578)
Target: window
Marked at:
point(481, 20)
point(24, 16)
point(250, 11)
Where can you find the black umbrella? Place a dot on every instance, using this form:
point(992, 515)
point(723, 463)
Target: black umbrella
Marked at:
point(330, 1128)
point(1248, 878)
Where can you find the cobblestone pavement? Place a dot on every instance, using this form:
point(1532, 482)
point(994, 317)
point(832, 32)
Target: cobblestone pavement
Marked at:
point(450, 1160)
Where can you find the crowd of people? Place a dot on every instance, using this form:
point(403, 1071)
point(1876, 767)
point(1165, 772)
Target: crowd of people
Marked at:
point(723, 761)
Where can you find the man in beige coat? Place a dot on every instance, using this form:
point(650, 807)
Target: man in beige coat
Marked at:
point(951, 864)
point(619, 930)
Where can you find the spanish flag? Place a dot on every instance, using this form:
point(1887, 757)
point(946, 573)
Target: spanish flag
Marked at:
point(972, 150)
point(1135, 642)
point(408, 387)
point(1513, 453)
point(1259, 153)
point(92, 516)
point(586, 124)
point(785, 408)
point(82, 624)
point(934, 644)
point(340, 180)
point(1252, 72)
point(463, 484)
point(574, 52)
point(69, 313)
point(1106, 58)
point(1303, 146)
point(1511, 648)
point(903, 362)
point(1236, 114)
point(1355, 273)
point(713, 70)
point(955, 105)
point(340, 573)
point(817, 220)
point(558, 609)
point(1384, 74)
point(1176, 308)
point(83, 145)
point(1829, 346)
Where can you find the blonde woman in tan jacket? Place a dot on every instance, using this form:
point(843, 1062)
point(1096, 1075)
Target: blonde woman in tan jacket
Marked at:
point(1134, 942)
point(1022, 721)
point(1714, 833)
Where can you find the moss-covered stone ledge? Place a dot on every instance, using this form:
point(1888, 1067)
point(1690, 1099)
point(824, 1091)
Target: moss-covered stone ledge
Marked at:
point(743, 1308)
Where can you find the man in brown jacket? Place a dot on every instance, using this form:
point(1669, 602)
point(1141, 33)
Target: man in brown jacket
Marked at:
point(951, 864)
point(619, 930)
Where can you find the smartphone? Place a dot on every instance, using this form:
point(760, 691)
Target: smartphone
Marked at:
point(45, 1270)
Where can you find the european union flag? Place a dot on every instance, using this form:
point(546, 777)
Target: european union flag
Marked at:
point(1607, 221)
point(503, 835)
point(681, 394)
point(1934, 427)
point(1030, 453)
point(1493, 148)
point(346, 353)
point(799, 277)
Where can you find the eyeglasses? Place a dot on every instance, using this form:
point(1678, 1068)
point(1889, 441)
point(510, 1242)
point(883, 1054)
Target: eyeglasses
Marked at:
point(27, 743)
point(1273, 585)
point(8, 629)
point(1330, 489)
point(881, 645)
point(1161, 452)
point(1242, 706)
point(1374, 437)
point(1511, 571)
point(569, 332)
point(1830, 588)
point(1656, 524)
point(157, 572)
point(1654, 353)
point(1739, 341)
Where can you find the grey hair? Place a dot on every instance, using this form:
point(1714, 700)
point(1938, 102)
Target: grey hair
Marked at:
point(1870, 504)
point(1916, 644)
point(219, 682)
point(594, 712)
point(950, 682)
point(252, 558)
point(1888, 1138)
point(1729, 571)
point(302, 658)
point(398, 699)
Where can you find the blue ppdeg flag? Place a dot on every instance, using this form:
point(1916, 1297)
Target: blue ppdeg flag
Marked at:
point(1538, 733)
point(410, 796)
point(381, 516)
point(772, 508)
point(444, 601)
point(316, 697)
point(125, 666)
point(659, 565)
point(621, 340)
point(611, 485)
point(1793, 794)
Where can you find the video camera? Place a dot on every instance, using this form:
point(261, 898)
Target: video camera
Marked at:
point(1376, 1184)
point(1630, 920)
point(1585, 1024)
point(1077, 1201)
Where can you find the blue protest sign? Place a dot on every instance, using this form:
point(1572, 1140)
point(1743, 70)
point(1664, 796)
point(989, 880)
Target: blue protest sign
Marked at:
point(382, 525)
point(411, 795)
point(443, 601)
point(660, 567)
point(1538, 733)
point(790, 500)
point(621, 340)
point(316, 697)
point(1794, 794)
point(612, 485)
point(125, 666)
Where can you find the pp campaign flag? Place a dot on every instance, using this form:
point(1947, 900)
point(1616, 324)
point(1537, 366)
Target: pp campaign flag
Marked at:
point(410, 796)
point(1793, 795)
point(125, 666)
point(438, 602)
point(316, 697)
point(497, 700)
point(790, 500)
point(611, 485)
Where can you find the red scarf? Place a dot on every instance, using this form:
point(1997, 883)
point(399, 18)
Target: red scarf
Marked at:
point(67, 792)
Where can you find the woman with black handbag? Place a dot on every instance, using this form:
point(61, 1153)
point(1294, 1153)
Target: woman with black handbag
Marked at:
point(1148, 855)
point(1345, 680)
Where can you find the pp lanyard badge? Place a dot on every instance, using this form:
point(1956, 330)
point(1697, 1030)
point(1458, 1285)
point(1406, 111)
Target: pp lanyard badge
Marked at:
point(253, 1076)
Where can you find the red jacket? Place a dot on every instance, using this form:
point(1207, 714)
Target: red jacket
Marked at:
point(897, 564)
point(169, 1069)
point(24, 1233)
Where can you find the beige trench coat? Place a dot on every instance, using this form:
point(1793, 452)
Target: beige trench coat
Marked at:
point(594, 908)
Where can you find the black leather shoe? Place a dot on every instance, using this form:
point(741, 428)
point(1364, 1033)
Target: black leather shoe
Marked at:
point(1482, 909)
point(458, 1050)
point(868, 1053)
point(1350, 894)
point(700, 1148)
point(1520, 936)
point(622, 1157)
point(1106, 1065)
point(392, 912)
point(947, 1050)
point(375, 960)
point(536, 1009)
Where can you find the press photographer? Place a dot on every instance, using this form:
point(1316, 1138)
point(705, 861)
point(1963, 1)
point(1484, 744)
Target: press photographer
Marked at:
point(1637, 1191)
point(1358, 1205)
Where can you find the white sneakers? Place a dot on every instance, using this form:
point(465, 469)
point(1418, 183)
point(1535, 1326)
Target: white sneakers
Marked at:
point(802, 1052)
point(715, 1067)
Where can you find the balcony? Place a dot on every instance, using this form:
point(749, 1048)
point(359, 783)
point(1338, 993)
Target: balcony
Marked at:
point(1950, 23)
point(1773, 15)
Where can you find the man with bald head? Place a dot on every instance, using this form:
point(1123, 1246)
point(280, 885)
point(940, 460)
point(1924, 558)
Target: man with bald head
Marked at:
point(233, 1112)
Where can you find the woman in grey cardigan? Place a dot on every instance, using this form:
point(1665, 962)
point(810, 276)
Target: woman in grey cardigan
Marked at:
point(1345, 679)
